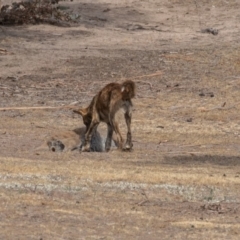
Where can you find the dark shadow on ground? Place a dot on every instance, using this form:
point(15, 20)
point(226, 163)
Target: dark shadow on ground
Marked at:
point(90, 15)
point(36, 35)
point(202, 160)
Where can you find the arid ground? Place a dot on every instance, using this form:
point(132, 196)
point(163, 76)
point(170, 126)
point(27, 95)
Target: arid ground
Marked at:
point(181, 181)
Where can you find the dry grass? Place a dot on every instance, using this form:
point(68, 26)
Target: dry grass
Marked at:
point(185, 125)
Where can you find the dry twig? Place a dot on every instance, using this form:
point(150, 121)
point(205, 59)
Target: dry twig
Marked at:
point(144, 82)
point(143, 76)
point(37, 108)
point(189, 59)
point(222, 107)
point(3, 51)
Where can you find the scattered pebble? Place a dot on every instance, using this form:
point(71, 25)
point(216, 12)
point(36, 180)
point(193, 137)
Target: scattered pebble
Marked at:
point(213, 31)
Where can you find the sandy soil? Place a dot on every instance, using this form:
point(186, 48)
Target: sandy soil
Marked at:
point(182, 179)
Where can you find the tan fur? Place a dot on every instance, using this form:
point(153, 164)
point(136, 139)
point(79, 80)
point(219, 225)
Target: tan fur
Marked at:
point(71, 140)
point(103, 108)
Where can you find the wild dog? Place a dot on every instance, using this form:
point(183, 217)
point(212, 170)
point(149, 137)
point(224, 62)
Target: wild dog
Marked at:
point(103, 108)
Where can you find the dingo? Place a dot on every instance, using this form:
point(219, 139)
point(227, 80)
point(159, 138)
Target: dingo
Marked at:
point(103, 108)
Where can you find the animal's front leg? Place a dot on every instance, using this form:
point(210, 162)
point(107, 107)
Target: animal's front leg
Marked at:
point(86, 146)
point(128, 145)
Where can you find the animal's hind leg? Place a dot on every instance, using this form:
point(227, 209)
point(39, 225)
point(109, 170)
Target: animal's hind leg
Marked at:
point(128, 116)
point(109, 137)
point(88, 136)
point(114, 124)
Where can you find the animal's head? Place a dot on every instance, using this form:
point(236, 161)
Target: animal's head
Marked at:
point(86, 115)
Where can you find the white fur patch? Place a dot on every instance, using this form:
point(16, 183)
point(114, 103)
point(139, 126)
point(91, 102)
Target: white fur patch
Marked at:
point(123, 88)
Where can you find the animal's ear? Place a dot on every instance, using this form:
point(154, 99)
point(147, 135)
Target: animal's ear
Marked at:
point(81, 111)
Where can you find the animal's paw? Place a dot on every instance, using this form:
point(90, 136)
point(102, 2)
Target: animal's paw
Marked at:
point(86, 149)
point(128, 147)
point(79, 148)
point(107, 148)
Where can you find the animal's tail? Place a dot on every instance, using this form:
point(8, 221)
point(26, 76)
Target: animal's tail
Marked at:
point(128, 90)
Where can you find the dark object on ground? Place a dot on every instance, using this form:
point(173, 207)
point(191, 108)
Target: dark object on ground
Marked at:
point(55, 145)
point(210, 30)
point(33, 12)
point(96, 144)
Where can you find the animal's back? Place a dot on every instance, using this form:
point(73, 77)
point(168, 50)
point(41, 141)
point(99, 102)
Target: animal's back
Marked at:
point(114, 92)
point(105, 96)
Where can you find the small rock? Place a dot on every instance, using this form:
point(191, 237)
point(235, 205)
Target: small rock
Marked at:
point(106, 10)
point(210, 30)
point(13, 79)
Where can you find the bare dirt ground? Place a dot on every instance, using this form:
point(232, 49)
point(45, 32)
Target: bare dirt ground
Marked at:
point(182, 179)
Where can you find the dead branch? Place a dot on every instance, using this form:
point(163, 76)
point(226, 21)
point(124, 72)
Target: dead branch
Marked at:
point(222, 107)
point(139, 96)
point(132, 78)
point(3, 51)
point(55, 22)
point(143, 76)
point(141, 203)
point(188, 59)
point(144, 82)
point(183, 152)
point(37, 108)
